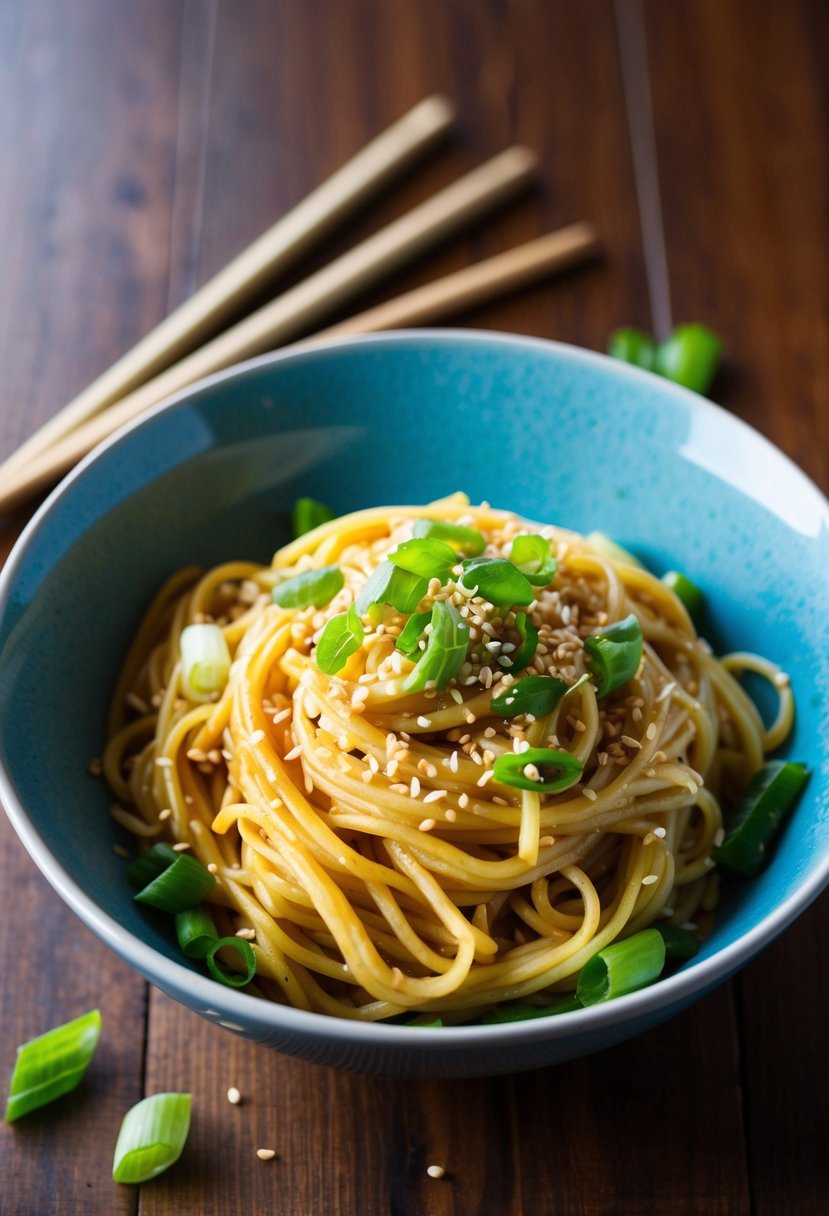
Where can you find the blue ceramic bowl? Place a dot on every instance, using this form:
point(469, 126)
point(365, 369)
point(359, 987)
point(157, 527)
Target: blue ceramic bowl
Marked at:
point(554, 433)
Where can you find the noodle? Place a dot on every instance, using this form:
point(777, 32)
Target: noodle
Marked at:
point(360, 830)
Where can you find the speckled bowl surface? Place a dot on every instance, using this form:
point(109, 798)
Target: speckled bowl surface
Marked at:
point(552, 432)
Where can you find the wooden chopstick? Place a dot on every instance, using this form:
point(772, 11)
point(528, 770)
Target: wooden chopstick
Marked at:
point(296, 311)
point(386, 156)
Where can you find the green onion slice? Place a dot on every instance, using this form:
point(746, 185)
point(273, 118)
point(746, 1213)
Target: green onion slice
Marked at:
point(445, 653)
point(205, 660)
point(233, 979)
point(464, 540)
point(390, 585)
point(622, 967)
point(150, 864)
point(195, 931)
point(690, 357)
point(685, 591)
point(309, 514)
point(614, 655)
point(340, 639)
point(310, 588)
point(680, 944)
point(606, 546)
point(411, 634)
point(425, 556)
point(633, 346)
point(528, 638)
point(557, 770)
point(152, 1136)
point(52, 1064)
point(180, 886)
point(531, 554)
point(523, 1011)
point(771, 794)
point(536, 695)
point(498, 581)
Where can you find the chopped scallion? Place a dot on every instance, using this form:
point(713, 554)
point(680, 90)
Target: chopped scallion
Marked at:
point(614, 655)
point(52, 1064)
point(464, 540)
point(622, 967)
point(233, 979)
point(536, 695)
point(205, 660)
point(685, 591)
point(195, 931)
point(633, 346)
point(680, 944)
point(556, 770)
point(310, 588)
point(528, 638)
point(309, 514)
point(389, 584)
point(150, 864)
point(180, 886)
point(152, 1136)
point(340, 639)
point(690, 357)
point(771, 794)
point(498, 581)
point(426, 557)
point(411, 634)
point(445, 652)
point(531, 554)
point(523, 1011)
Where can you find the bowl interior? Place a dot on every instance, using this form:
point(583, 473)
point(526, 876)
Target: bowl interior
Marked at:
point(555, 434)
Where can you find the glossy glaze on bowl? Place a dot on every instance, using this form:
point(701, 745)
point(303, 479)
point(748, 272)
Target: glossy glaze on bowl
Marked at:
point(554, 433)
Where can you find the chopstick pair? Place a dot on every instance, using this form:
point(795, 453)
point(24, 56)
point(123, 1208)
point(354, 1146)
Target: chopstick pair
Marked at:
point(165, 361)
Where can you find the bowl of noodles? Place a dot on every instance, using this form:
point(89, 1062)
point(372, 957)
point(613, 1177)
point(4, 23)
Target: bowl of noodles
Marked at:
point(458, 700)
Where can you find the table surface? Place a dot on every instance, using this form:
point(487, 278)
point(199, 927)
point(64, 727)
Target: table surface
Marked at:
point(141, 145)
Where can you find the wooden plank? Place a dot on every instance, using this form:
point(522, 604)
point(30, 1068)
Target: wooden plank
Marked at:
point(745, 198)
point(643, 1124)
point(88, 97)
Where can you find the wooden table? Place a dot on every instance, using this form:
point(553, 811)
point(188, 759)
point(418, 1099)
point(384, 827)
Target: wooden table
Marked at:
point(142, 144)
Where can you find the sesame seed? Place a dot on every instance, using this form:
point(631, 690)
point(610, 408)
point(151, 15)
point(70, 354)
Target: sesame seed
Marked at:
point(469, 716)
point(546, 841)
point(212, 867)
point(781, 680)
point(293, 753)
point(266, 1154)
point(451, 815)
point(181, 846)
point(246, 934)
point(165, 814)
point(164, 762)
point(399, 788)
point(649, 879)
point(435, 1171)
point(233, 1096)
point(423, 721)
point(281, 716)
point(650, 733)
point(215, 755)
point(463, 801)
point(426, 825)
point(435, 795)
point(660, 832)
point(490, 732)
point(629, 741)
point(485, 776)
point(591, 794)
point(719, 837)
point(414, 788)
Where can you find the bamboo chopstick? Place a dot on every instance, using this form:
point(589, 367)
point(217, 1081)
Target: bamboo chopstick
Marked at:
point(386, 156)
point(297, 310)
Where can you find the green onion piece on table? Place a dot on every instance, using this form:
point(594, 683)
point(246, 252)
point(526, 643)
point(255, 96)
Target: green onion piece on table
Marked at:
point(233, 979)
point(557, 770)
point(311, 588)
point(411, 634)
point(181, 886)
point(498, 581)
point(613, 656)
point(445, 653)
point(157, 859)
point(340, 639)
point(52, 1064)
point(622, 967)
point(533, 557)
point(771, 794)
point(690, 357)
point(687, 592)
point(464, 540)
point(389, 584)
point(680, 944)
point(607, 547)
point(528, 639)
point(205, 660)
point(152, 1136)
point(633, 346)
point(536, 695)
point(195, 931)
point(309, 514)
point(426, 557)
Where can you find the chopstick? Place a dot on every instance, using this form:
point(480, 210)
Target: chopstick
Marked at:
point(384, 158)
point(297, 310)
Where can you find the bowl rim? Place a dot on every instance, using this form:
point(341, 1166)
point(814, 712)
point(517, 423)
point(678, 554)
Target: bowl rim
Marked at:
point(240, 1009)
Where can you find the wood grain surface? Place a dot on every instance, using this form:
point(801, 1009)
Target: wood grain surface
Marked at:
point(143, 144)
